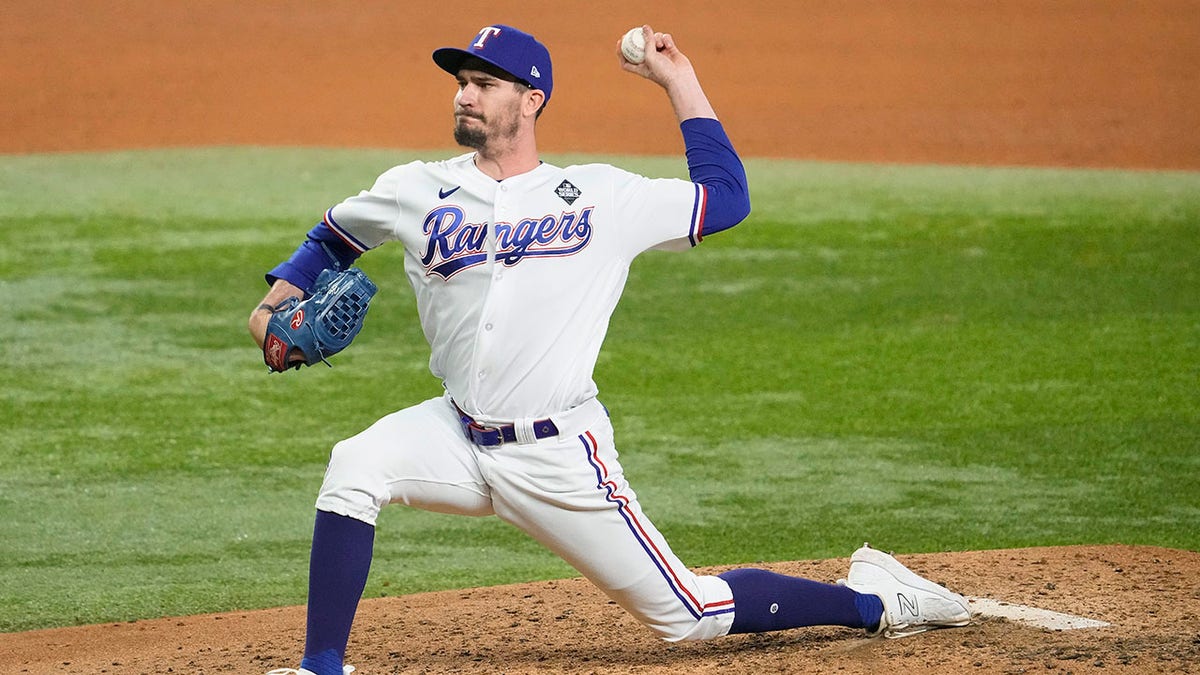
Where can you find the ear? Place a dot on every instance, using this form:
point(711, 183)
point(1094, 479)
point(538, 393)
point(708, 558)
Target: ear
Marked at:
point(533, 101)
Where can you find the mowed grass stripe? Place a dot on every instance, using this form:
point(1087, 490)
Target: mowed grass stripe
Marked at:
point(926, 357)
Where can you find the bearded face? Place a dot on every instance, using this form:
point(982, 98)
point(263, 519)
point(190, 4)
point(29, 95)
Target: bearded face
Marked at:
point(487, 109)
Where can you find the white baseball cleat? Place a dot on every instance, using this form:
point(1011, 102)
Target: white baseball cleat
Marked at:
point(911, 604)
point(346, 670)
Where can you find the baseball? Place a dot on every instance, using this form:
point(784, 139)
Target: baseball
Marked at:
point(633, 46)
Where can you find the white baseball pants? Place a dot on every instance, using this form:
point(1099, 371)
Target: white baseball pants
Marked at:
point(567, 492)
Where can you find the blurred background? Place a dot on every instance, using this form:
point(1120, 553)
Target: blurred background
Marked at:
point(1092, 83)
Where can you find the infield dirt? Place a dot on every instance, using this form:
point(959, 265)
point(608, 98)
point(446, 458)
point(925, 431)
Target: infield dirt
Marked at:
point(1076, 83)
point(1150, 596)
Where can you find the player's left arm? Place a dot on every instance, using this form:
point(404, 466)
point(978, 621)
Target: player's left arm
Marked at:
point(712, 161)
point(292, 279)
point(281, 291)
point(321, 250)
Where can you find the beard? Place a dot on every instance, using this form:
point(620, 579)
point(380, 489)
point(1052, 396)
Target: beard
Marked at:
point(478, 137)
point(470, 137)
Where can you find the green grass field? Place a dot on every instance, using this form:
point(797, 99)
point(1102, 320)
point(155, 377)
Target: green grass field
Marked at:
point(927, 358)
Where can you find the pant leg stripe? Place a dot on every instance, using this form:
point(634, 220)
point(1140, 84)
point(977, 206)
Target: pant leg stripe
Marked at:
point(644, 540)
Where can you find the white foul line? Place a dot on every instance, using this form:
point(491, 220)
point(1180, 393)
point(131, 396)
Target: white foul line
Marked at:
point(1042, 618)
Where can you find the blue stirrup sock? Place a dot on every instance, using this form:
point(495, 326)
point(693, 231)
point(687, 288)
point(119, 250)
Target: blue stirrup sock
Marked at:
point(765, 601)
point(337, 574)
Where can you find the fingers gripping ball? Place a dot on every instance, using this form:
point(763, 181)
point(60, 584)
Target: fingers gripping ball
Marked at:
point(320, 326)
point(633, 46)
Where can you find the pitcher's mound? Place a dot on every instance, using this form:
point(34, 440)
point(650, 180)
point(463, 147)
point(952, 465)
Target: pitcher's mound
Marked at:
point(1149, 597)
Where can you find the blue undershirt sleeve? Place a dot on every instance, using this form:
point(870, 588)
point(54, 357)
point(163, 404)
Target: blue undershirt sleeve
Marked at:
point(322, 250)
point(714, 163)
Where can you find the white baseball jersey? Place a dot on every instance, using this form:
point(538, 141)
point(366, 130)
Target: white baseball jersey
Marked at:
point(514, 332)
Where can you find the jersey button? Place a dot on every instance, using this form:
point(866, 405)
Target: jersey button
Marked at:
point(488, 326)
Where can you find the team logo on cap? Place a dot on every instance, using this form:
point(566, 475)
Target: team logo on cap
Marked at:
point(484, 34)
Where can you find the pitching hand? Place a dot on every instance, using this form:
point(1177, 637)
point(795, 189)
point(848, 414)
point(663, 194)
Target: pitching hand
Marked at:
point(664, 62)
point(670, 68)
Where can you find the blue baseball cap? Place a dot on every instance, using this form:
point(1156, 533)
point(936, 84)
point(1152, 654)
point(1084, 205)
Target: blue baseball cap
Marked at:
point(514, 51)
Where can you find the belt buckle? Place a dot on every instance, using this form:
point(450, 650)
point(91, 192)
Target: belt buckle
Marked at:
point(479, 432)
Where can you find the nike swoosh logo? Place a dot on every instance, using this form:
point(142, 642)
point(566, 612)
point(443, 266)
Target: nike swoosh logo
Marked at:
point(442, 194)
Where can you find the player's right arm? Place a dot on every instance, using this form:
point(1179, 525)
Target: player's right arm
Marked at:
point(712, 161)
point(668, 67)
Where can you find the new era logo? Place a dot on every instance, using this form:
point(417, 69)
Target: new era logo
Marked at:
point(569, 193)
point(534, 72)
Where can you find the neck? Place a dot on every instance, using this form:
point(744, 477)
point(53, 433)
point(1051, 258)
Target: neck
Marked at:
point(510, 159)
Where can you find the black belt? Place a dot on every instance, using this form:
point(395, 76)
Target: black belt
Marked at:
point(481, 434)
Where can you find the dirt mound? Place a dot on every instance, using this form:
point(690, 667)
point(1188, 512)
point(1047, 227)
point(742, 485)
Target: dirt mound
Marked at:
point(1149, 596)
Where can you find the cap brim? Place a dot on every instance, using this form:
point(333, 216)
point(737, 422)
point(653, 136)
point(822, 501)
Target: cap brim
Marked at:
point(450, 59)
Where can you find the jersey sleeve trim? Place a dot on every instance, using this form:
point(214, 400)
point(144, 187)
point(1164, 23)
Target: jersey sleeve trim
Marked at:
point(342, 234)
point(713, 163)
point(699, 207)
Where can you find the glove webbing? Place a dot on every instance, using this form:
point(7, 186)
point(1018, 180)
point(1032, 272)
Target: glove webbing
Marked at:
point(341, 318)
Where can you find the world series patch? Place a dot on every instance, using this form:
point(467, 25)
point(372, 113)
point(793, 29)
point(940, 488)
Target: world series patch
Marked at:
point(568, 192)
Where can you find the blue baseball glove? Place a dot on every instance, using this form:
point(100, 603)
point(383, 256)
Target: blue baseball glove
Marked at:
point(320, 326)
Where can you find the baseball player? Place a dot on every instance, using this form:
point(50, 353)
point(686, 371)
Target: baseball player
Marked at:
point(517, 266)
